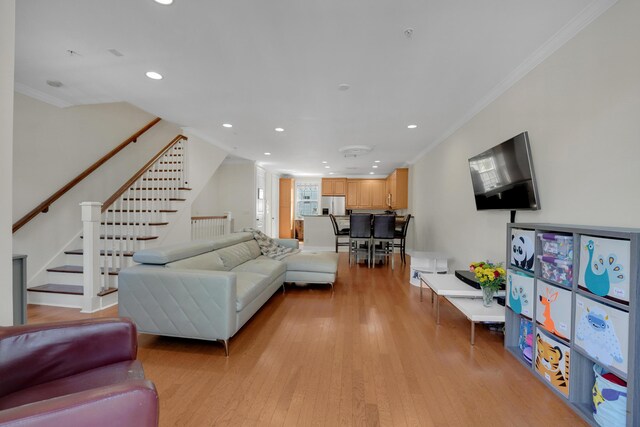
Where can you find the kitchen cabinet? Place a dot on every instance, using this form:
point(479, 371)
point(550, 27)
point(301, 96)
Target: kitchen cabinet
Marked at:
point(334, 186)
point(286, 208)
point(378, 193)
point(353, 187)
point(366, 194)
point(398, 189)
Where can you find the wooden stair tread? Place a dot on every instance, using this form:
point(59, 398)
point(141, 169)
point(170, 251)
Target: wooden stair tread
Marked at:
point(79, 269)
point(151, 224)
point(144, 199)
point(107, 291)
point(109, 253)
point(160, 189)
point(124, 237)
point(143, 210)
point(54, 288)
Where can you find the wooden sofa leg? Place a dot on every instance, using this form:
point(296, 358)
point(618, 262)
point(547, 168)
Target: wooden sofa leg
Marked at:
point(226, 346)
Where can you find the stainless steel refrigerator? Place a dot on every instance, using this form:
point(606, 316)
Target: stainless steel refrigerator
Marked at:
point(335, 205)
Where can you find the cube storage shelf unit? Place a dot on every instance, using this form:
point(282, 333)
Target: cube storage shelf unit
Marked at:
point(582, 304)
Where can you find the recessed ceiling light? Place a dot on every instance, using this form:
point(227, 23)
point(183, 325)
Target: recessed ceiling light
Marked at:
point(343, 86)
point(324, 162)
point(370, 173)
point(327, 167)
point(227, 125)
point(279, 130)
point(153, 75)
point(376, 161)
point(330, 173)
point(267, 154)
point(164, 2)
point(375, 166)
point(412, 126)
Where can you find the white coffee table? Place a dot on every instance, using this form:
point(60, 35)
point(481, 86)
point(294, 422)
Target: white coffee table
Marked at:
point(446, 285)
point(476, 312)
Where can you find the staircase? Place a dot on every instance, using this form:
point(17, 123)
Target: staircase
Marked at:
point(134, 218)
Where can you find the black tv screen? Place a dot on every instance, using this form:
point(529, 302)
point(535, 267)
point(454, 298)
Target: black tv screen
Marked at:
point(503, 176)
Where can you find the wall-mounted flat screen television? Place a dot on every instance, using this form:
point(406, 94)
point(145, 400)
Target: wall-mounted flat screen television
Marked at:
point(503, 176)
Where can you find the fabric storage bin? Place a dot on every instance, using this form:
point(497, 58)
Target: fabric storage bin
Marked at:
point(525, 342)
point(520, 293)
point(523, 249)
point(556, 270)
point(609, 399)
point(553, 361)
point(557, 245)
point(553, 310)
point(605, 267)
point(603, 333)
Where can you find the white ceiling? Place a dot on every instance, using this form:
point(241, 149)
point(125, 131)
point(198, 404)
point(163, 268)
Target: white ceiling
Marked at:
point(264, 64)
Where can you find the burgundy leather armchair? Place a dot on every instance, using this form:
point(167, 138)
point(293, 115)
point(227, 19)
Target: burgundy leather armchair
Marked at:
point(74, 373)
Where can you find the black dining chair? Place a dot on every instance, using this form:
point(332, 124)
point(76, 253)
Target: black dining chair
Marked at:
point(384, 229)
point(360, 236)
point(401, 239)
point(344, 233)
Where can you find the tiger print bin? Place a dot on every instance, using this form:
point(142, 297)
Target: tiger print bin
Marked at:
point(609, 401)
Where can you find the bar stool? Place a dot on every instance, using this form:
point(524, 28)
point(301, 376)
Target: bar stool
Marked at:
point(339, 233)
point(360, 236)
point(402, 236)
point(384, 229)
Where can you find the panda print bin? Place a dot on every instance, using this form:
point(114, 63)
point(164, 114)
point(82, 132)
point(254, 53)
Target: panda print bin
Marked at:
point(523, 249)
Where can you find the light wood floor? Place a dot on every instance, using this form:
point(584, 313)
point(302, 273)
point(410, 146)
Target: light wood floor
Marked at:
point(368, 354)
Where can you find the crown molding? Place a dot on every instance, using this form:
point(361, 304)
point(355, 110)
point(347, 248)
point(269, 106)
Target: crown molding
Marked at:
point(40, 96)
point(566, 33)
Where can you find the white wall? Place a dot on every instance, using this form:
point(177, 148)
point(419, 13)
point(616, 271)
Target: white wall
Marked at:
point(203, 159)
point(51, 146)
point(581, 108)
point(232, 188)
point(7, 41)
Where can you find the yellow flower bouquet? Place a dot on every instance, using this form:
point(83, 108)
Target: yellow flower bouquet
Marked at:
point(488, 274)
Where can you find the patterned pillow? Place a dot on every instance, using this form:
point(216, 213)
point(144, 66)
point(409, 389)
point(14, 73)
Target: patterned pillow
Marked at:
point(269, 247)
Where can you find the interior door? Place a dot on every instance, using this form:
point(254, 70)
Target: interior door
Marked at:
point(275, 197)
point(260, 198)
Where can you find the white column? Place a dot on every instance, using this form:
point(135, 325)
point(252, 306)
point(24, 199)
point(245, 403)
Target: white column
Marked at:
point(228, 226)
point(91, 213)
point(7, 42)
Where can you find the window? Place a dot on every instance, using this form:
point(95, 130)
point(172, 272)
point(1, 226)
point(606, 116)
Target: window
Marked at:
point(307, 199)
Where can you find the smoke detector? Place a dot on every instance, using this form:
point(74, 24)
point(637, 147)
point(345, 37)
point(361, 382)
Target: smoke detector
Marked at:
point(354, 150)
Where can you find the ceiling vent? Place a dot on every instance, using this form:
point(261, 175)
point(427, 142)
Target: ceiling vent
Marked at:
point(354, 150)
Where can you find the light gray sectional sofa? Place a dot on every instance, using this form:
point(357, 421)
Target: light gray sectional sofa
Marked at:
point(210, 289)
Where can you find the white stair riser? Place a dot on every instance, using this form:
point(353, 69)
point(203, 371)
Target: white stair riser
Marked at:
point(58, 300)
point(77, 260)
point(126, 245)
point(74, 279)
point(138, 217)
point(129, 230)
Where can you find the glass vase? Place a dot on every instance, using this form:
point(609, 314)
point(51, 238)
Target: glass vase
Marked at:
point(487, 296)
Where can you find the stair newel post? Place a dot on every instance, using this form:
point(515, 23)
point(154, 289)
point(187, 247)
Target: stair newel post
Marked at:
point(91, 213)
point(227, 223)
point(104, 258)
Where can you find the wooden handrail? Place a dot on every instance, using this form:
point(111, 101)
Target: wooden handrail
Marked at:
point(44, 206)
point(197, 218)
point(141, 172)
